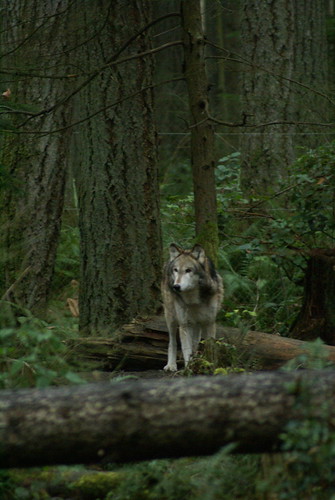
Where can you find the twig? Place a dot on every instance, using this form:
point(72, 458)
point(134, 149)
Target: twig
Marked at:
point(130, 96)
point(243, 60)
point(92, 77)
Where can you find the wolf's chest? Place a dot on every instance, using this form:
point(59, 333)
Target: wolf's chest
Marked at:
point(195, 312)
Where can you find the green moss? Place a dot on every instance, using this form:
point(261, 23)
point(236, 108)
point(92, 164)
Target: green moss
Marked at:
point(96, 485)
point(67, 482)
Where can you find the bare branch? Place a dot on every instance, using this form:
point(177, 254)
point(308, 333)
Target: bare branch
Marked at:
point(244, 123)
point(88, 117)
point(95, 74)
point(242, 60)
point(32, 34)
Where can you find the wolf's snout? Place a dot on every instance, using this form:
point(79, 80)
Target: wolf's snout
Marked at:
point(176, 288)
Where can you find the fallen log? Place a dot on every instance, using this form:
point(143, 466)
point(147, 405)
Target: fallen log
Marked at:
point(142, 345)
point(145, 419)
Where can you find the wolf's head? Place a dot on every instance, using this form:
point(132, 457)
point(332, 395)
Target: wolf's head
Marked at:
point(186, 267)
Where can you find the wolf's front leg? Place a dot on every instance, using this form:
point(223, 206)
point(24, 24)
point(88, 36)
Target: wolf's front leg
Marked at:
point(189, 339)
point(172, 350)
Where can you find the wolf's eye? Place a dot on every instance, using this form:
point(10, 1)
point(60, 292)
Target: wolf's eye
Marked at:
point(188, 270)
point(175, 270)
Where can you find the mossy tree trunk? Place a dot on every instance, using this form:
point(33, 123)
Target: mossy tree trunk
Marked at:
point(203, 158)
point(149, 419)
point(33, 38)
point(283, 43)
point(116, 171)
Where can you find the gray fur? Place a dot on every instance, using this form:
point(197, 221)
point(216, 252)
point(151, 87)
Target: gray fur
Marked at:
point(192, 293)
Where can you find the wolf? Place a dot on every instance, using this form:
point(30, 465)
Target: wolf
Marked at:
point(192, 293)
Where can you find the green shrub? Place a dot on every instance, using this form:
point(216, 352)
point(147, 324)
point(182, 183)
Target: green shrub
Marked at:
point(33, 354)
point(221, 476)
point(305, 469)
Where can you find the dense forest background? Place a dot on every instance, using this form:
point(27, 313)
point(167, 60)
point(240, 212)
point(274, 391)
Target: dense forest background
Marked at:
point(126, 126)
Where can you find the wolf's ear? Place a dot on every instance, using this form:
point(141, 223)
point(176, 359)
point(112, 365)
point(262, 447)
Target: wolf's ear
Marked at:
point(199, 253)
point(174, 251)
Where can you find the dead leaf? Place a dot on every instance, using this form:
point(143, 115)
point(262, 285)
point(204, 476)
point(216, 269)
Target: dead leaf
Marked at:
point(74, 307)
point(7, 94)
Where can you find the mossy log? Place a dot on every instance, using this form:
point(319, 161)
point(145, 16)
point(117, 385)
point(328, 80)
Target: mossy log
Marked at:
point(148, 419)
point(57, 482)
point(142, 345)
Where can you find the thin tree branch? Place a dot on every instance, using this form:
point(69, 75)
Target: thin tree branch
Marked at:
point(79, 122)
point(244, 123)
point(219, 122)
point(242, 60)
point(94, 75)
point(288, 122)
point(31, 35)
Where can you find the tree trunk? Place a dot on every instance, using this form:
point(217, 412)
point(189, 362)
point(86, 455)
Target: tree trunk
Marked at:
point(202, 133)
point(142, 345)
point(140, 420)
point(31, 205)
point(283, 43)
point(317, 317)
point(116, 171)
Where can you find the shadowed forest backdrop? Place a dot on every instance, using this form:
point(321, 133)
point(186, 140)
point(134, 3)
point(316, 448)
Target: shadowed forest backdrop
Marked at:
point(128, 125)
point(104, 105)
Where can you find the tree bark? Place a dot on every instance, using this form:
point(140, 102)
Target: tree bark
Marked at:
point(284, 43)
point(141, 420)
point(116, 170)
point(34, 36)
point(142, 345)
point(202, 133)
point(317, 318)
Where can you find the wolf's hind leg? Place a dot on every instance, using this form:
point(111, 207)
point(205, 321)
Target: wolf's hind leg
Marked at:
point(209, 331)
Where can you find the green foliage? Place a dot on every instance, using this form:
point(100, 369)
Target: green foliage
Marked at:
point(93, 486)
point(310, 192)
point(219, 476)
point(262, 266)
point(306, 466)
point(315, 357)
point(33, 354)
point(178, 220)
point(262, 279)
point(57, 482)
point(177, 182)
point(67, 258)
point(217, 357)
point(262, 242)
point(209, 478)
point(228, 178)
point(262, 254)
point(310, 463)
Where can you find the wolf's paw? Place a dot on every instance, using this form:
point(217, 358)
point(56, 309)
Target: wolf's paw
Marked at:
point(172, 367)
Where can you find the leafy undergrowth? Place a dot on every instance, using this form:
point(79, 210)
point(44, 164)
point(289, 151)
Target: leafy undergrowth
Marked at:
point(219, 476)
point(33, 353)
point(304, 469)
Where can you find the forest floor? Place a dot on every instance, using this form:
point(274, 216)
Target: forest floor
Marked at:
point(103, 376)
